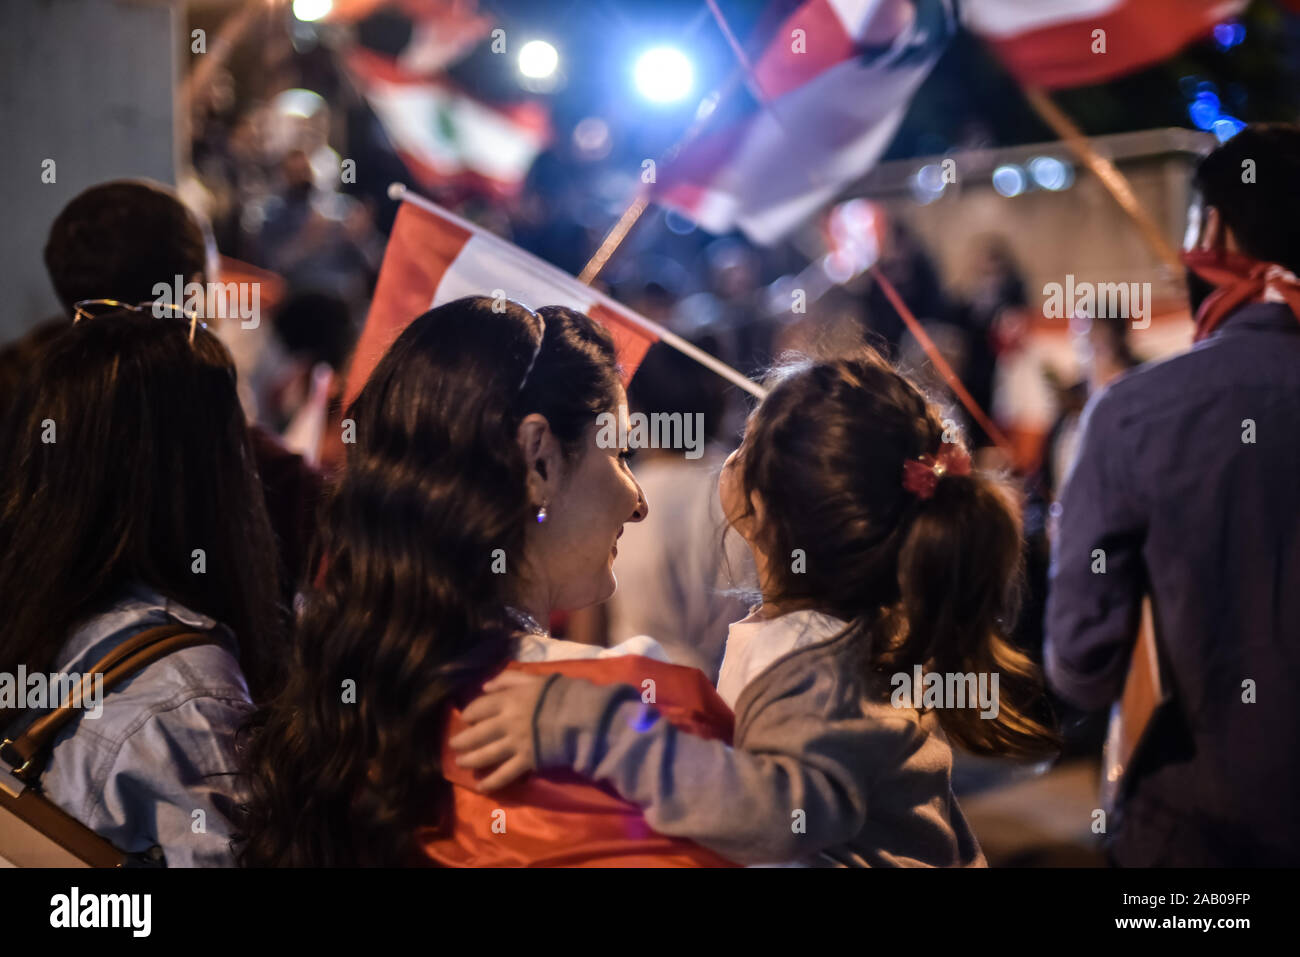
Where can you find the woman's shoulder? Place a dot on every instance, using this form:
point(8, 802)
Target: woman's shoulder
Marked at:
point(209, 670)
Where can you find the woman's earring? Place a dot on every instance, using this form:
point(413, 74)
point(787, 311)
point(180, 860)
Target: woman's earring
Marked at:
point(541, 514)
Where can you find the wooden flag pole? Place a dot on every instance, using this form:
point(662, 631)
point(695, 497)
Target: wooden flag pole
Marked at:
point(936, 357)
point(1115, 182)
point(614, 238)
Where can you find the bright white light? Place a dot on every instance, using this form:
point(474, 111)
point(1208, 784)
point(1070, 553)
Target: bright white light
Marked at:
point(1009, 180)
point(664, 74)
point(309, 10)
point(1050, 173)
point(928, 184)
point(538, 59)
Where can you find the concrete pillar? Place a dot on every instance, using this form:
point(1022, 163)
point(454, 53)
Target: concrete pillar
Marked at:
point(89, 85)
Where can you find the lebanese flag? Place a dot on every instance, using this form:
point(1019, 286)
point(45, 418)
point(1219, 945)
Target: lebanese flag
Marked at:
point(560, 819)
point(445, 136)
point(835, 79)
point(434, 257)
point(1053, 43)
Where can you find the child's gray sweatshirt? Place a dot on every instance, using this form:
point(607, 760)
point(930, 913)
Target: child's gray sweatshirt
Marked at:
point(818, 774)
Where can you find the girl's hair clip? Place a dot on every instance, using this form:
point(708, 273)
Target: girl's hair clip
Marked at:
point(920, 476)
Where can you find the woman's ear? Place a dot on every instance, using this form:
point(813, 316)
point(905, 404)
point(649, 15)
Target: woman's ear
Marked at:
point(541, 452)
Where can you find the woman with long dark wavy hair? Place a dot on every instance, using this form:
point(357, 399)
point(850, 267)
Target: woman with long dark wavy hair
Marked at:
point(475, 500)
point(889, 569)
point(129, 500)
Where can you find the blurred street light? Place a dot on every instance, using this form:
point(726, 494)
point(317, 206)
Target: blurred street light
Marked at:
point(538, 59)
point(311, 10)
point(664, 75)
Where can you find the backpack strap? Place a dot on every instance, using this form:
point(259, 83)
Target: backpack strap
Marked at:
point(26, 753)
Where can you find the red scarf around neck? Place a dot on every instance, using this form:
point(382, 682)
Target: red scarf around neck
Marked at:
point(1239, 280)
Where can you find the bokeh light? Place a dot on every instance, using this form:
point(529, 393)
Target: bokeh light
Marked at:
point(1010, 180)
point(309, 11)
point(538, 59)
point(1050, 173)
point(664, 75)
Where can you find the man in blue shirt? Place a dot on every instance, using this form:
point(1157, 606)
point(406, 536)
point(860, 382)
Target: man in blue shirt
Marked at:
point(1187, 486)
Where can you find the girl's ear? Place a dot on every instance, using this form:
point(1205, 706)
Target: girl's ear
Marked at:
point(758, 518)
point(541, 452)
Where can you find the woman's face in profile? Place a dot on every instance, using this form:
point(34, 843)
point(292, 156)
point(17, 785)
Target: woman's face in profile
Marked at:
point(577, 545)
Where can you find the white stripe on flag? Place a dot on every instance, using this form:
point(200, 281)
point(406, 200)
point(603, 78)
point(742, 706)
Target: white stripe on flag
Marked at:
point(483, 267)
point(854, 15)
point(1006, 18)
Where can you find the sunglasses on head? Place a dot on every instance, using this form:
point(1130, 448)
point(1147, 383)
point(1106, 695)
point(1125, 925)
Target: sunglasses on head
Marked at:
point(92, 308)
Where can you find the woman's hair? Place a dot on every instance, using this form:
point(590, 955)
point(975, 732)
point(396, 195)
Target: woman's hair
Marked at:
point(931, 582)
point(123, 455)
point(408, 614)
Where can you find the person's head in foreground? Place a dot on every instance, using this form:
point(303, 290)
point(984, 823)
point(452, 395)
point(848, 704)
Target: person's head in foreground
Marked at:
point(1245, 208)
point(475, 497)
point(126, 455)
point(118, 240)
point(858, 501)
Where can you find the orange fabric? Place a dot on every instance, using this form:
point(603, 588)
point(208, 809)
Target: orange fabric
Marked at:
point(559, 819)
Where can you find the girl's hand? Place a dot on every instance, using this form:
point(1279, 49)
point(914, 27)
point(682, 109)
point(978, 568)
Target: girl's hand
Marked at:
point(500, 729)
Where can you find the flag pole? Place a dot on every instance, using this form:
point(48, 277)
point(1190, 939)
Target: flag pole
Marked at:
point(1116, 183)
point(399, 192)
point(995, 434)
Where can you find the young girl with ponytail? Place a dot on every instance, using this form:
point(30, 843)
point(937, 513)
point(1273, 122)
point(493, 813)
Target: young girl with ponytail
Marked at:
point(878, 549)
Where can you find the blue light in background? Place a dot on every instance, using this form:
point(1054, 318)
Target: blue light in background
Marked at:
point(1204, 110)
point(1226, 127)
point(1229, 35)
point(1050, 173)
point(1009, 180)
point(664, 75)
point(928, 184)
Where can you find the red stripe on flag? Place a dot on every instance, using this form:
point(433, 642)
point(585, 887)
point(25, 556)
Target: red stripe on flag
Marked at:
point(824, 43)
point(1136, 36)
point(270, 285)
point(419, 251)
point(631, 341)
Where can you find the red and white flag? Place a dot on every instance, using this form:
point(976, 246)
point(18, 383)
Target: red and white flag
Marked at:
point(434, 257)
point(836, 78)
point(1063, 43)
point(445, 136)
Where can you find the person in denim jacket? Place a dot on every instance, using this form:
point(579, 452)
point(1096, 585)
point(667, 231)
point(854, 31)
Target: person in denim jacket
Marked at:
point(128, 500)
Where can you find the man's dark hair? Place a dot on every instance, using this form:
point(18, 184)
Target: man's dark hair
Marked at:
point(1262, 209)
point(668, 381)
point(318, 326)
point(118, 239)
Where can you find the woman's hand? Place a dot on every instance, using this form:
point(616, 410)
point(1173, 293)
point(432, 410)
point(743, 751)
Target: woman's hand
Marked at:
point(500, 729)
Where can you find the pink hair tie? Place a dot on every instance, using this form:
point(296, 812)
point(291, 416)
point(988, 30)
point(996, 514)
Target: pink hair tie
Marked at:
point(920, 476)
